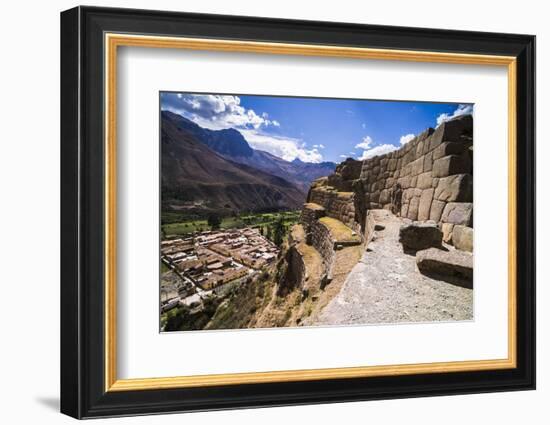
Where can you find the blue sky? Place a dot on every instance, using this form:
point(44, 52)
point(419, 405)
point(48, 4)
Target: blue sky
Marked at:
point(314, 129)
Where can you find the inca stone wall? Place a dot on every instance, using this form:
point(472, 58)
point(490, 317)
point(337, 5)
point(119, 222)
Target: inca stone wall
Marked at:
point(321, 240)
point(429, 178)
point(338, 205)
point(318, 235)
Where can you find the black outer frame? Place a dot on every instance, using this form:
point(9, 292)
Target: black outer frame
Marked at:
point(82, 206)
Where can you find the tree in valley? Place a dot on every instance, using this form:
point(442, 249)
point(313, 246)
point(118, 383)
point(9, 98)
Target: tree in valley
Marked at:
point(214, 221)
point(278, 232)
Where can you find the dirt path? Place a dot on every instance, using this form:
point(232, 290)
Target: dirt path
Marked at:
point(386, 287)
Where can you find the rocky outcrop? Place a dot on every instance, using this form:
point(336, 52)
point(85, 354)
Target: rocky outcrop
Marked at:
point(418, 236)
point(295, 272)
point(453, 266)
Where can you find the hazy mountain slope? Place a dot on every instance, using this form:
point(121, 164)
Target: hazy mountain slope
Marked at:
point(197, 178)
point(232, 145)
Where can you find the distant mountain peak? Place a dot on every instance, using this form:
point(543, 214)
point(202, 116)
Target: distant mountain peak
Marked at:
point(232, 145)
point(226, 141)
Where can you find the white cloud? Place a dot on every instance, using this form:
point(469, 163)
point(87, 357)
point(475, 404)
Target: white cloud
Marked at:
point(344, 156)
point(215, 111)
point(403, 140)
point(377, 150)
point(286, 148)
point(365, 144)
point(369, 150)
point(352, 153)
point(461, 110)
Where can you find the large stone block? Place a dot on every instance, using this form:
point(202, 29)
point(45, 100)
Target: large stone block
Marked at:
point(404, 209)
point(463, 238)
point(407, 195)
point(404, 182)
point(420, 149)
point(436, 210)
point(350, 169)
point(456, 267)
point(424, 180)
point(425, 204)
point(457, 130)
point(447, 230)
point(448, 148)
point(384, 197)
point(405, 171)
point(458, 213)
point(428, 161)
point(456, 188)
point(449, 165)
point(335, 180)
point(418, 236)
point(413, 208)
point(409, 156)
point(392, 164)
point(417, 166)
point(375, 196)
point(425, 134)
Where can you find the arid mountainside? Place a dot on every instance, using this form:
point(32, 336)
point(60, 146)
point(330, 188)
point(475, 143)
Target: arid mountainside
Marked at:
point(196, 178)
point(231, 145)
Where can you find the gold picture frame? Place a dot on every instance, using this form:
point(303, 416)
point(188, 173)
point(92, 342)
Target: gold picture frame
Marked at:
point(114, 41)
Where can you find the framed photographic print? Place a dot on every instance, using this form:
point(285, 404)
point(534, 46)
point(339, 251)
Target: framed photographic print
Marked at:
point(261, 212)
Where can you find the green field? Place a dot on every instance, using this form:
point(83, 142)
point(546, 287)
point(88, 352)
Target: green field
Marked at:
point(260, 220)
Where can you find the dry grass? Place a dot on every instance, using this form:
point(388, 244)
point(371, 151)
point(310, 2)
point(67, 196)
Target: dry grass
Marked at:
point(338, 230)
point(313, 206)
point(297, 233)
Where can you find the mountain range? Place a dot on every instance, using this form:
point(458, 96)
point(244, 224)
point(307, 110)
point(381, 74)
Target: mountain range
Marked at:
point(218, 171)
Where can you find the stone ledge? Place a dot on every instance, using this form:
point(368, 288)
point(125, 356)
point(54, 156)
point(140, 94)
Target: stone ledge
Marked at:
point(339, 232)
point(453, 266)
point(313, 206)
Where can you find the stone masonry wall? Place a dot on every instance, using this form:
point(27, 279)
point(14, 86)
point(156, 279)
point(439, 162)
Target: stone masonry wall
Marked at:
point(338, 205)
point(318, 235)
point(322, 241)
point(429, 178)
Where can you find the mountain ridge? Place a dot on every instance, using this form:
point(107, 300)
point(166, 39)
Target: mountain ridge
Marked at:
point(232, 145)
point(196, 179)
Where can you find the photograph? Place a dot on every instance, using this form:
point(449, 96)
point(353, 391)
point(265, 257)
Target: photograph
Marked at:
point(295, 192)
point(281, 211)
